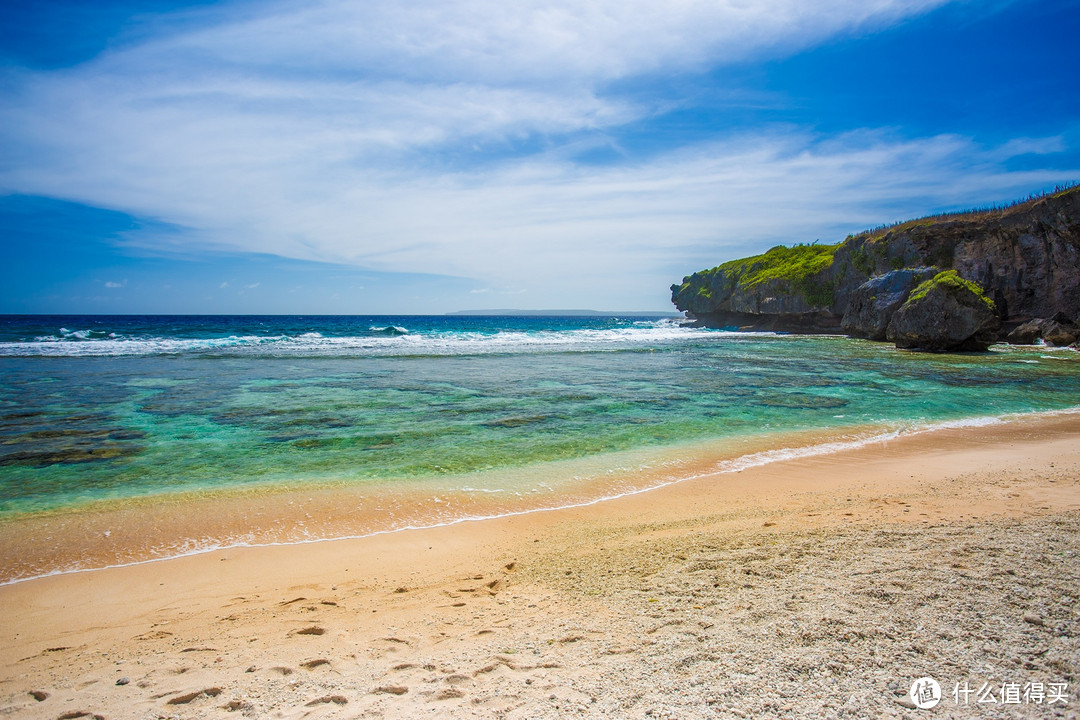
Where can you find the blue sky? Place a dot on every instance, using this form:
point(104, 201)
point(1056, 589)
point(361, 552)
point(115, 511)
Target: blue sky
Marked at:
point(422, 157)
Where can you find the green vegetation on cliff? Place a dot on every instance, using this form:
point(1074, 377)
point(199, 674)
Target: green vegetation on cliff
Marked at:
point(793, 264)
point(951, 283)
point(800, 268)
point(812, 285)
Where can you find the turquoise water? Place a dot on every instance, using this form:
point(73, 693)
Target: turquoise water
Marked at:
point(108, 408)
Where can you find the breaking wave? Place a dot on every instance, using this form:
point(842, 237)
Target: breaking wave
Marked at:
point(380, 340)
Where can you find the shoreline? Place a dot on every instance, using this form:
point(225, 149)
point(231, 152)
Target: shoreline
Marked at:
point(792, 589)
point(283, 508)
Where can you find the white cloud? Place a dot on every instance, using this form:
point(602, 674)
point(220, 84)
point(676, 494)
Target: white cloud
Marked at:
point(334, 130)
point(1032, 146)
point(298, 89)
point(492, 42)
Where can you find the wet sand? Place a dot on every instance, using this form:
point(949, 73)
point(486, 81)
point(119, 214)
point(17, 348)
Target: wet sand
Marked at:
point(817, 587)
point(107, 533)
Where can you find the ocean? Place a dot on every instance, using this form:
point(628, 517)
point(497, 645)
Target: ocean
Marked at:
point(133, 438)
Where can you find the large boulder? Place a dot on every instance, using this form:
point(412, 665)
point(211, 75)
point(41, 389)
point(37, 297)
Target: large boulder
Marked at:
point(872, 304)
point(1058, 330)
point(1026, 334)
point(945, 313)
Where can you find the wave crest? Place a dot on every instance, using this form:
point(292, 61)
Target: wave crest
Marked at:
point(391, 330)
point(379, 341)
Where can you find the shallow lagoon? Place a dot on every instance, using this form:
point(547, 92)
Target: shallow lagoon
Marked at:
point(108, 410)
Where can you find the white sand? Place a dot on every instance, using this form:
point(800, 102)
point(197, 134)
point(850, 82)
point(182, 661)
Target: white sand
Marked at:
point(812, 588)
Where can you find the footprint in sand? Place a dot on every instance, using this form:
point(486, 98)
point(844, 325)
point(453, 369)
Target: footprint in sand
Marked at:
point(392, 639)
point(457, 679)
point(235, 705)
point(290, 602)
point(153, 635)
point(336, 699)
point(191, 696)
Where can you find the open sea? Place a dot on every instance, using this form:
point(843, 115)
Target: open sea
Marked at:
point(131, 438)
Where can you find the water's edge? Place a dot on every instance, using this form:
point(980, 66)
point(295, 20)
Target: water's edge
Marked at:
point(781, 452)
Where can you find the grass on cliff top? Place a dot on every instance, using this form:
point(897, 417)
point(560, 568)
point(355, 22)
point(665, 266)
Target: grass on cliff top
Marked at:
point(793, 264)
point(951, 282)
point(797, 265)
point(971, 214)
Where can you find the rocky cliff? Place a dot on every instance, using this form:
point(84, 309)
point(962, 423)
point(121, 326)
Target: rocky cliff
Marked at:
point(1026, 257)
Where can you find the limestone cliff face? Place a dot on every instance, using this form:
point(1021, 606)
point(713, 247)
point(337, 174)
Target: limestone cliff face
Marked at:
point(1026, 258)
point(785, 288)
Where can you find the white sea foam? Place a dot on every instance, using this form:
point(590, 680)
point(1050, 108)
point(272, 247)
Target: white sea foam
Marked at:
point(389, 340)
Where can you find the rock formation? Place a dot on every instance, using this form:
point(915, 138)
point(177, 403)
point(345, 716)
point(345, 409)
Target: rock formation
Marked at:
point(872, 304)
point(1058, 330)
point(945, 313)
point(1024, 258)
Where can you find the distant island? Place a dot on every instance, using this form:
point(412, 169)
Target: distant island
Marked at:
point(567, 313)
point(957, 281)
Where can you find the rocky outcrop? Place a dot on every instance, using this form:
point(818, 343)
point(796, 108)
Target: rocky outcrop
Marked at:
point(1028, 333)
point(783, 289)
point(873, 303)
point(945, 313)
point(1026, 257)
point(1058, 330)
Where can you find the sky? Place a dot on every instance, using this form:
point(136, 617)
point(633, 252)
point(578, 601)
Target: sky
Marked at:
point(422, 156)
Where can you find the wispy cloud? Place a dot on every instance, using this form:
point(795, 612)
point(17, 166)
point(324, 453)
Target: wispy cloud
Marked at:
point(442, 138)
point(493, 43)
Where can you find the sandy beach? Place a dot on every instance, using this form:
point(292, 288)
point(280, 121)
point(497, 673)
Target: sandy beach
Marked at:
point(816, 587)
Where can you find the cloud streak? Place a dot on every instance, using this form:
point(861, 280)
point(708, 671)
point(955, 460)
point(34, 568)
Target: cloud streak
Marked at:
point(536, 42)
point(445, 138)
